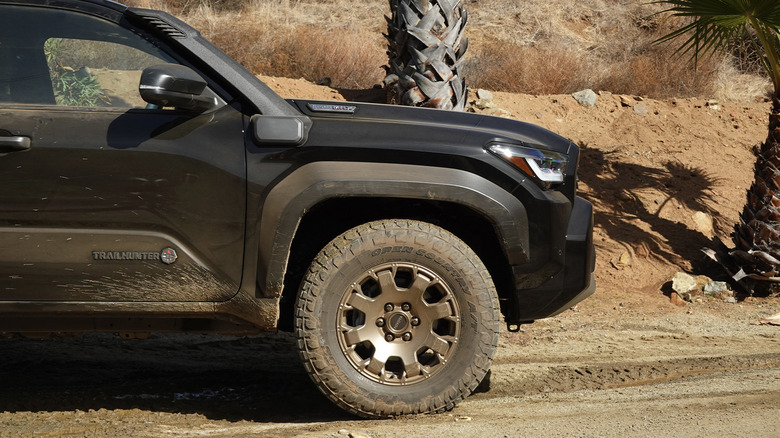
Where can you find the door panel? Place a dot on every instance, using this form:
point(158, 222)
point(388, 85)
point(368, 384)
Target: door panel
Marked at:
point(89, 207)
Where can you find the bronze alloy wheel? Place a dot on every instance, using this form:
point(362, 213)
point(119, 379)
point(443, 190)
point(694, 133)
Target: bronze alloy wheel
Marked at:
point(398, 323)
point(397, 317)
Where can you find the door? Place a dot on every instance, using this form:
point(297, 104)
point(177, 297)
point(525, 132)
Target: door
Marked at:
point(102, 199)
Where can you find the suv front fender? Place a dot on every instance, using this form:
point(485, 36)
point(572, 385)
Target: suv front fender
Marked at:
point(289, 200)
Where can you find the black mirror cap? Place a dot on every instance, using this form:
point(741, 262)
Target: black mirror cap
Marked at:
point(174, 85)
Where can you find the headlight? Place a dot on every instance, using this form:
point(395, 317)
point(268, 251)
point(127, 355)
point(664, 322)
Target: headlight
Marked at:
point(548, 167)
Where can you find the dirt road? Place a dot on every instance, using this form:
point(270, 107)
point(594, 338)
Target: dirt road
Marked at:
point(701, 371)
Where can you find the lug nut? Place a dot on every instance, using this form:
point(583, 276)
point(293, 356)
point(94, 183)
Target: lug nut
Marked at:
point(415, 321)
point(406, 307)
point(407, 337)
point(389, 337)
point(380, 322)
point(388, 307)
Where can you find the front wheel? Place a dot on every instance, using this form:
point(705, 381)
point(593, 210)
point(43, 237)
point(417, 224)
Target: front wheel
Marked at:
point(397, 317)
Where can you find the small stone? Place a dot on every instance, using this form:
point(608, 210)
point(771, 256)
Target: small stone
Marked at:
point(640, 109)
point(622, 262)
point(730, 300)
point(358, 435)
point(626, 101)
point(343, 432)
point(539, 115)
point(703, 223)
point(498, 112)
point(716, 287)
point(639, 98)
point(684, 284)
point(585, 97)
point(642, 249)
point(326, 81)
point(483, 104)
point(604, 93)
point(677, 300)
point(484, 94)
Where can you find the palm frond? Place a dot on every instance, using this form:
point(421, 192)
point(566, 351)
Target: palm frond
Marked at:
point(714, 23)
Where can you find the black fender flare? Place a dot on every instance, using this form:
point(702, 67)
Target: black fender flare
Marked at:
point(288, 201)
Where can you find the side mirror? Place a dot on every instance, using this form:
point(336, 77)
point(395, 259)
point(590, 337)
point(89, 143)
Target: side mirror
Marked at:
point(177, 86)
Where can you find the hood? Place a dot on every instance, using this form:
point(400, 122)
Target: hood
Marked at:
point(400, 127)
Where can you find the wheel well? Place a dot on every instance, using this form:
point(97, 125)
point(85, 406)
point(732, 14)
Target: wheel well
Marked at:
point(326, 220)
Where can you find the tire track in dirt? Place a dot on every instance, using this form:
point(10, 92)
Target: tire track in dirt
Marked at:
point(509, 379)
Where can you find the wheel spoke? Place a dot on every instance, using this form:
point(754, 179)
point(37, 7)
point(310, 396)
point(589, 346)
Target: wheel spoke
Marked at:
point(412, 366)
point(354, 336)
point(387, 282)
point(438, 344)
point(439, 311)
point(361, 302)
point(420, 284)
point(375, 366)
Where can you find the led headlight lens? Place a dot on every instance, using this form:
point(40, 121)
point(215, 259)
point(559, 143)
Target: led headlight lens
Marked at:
point(549, 167)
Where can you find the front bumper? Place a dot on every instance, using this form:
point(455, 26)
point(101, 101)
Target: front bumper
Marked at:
point(569, 285)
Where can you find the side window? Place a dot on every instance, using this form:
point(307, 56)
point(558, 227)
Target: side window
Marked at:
point(56, 57)
point(96, 73)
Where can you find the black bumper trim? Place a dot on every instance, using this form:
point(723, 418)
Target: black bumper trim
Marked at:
point(569, 285)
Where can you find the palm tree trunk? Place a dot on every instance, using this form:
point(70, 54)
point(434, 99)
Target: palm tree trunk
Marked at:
point(425, 49)
point(757, 236)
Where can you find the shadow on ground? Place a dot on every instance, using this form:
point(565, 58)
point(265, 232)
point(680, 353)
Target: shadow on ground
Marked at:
point(616, 189)
point(257, 378)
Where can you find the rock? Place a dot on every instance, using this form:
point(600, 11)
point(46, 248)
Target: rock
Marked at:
point(642, 249)
point(622, 262)
point(684, 284)
point(585, 97)
point(730, 300)
point(343, 432)
point(326, 81)
point(773, 320)
point(718, 289)
point(626, 101)
point(498, 112)
point(484, 95)
point(483, 104)
point(703, 223)
point(539, 115)
point(358, 435)
point(639, 98)
point(604, 93)
point(677, 300)
point(640, 109)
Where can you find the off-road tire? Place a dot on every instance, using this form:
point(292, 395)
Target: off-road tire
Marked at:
point(441, 296)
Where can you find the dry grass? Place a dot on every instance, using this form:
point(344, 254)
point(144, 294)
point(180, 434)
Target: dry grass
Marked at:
point(533, 46)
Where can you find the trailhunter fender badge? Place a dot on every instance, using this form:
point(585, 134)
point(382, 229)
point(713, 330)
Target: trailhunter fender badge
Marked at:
point(331, 108)
point(168, 256)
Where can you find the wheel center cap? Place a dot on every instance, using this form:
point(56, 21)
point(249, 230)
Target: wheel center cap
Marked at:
point(397, 322)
